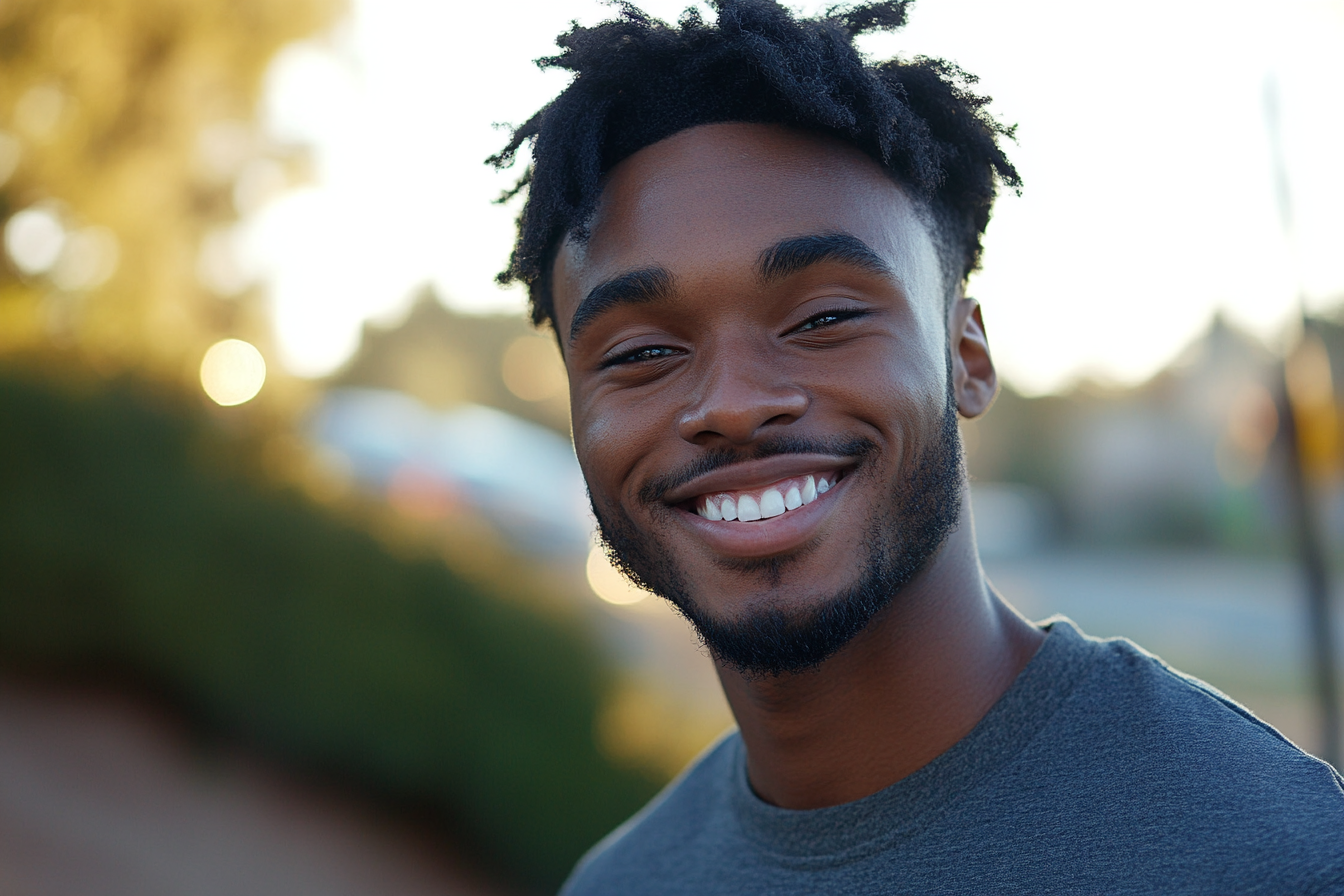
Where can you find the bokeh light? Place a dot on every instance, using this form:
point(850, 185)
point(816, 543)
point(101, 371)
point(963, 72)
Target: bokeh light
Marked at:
point(532, 368)
point(34, 239)
point(232, 372)
point(608, 582)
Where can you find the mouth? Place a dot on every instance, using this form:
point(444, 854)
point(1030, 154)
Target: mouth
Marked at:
point(751, 505)
point(765, 507)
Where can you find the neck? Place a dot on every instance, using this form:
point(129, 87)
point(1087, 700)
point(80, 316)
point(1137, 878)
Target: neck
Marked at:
point(915, 682)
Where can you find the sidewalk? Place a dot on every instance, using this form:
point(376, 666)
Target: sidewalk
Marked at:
point(106, 796)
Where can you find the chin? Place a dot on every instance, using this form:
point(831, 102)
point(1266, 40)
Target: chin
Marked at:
point(785, 613)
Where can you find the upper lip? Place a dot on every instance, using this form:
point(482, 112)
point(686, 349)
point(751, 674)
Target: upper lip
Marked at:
point(753, 474)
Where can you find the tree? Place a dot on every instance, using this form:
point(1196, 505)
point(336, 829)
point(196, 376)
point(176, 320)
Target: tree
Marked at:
point(127, 138)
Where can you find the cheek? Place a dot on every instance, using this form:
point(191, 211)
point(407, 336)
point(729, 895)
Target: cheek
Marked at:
point(915, 388)
point(892, 386)
point(610, 440)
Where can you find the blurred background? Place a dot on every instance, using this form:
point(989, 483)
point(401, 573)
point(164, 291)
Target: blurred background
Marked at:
point(298, 590)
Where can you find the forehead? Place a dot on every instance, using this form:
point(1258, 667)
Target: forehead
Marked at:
point(709, 199)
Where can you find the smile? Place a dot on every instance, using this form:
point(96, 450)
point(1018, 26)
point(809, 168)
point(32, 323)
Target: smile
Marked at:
point(786, 502)
point(773, 500)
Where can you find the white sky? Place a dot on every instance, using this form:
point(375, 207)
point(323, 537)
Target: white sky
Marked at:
point(1149, 198)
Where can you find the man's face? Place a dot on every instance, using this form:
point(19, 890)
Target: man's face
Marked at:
point(756, 327)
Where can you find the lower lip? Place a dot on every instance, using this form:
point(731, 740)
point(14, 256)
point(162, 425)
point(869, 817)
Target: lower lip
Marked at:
point(762, 538)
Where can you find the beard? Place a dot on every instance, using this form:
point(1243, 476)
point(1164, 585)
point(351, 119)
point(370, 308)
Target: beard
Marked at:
point(901, 538)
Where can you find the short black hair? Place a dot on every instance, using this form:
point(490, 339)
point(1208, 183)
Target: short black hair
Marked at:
point(638, 80)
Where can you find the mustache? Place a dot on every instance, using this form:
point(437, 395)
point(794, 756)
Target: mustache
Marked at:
point(857, 447)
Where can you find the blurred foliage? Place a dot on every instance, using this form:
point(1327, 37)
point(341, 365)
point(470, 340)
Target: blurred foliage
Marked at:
point(143, 534)
point(133, 119)
point(136, 535)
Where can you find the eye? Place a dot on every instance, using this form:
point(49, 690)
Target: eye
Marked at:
point(635, 356)
point(823, 319)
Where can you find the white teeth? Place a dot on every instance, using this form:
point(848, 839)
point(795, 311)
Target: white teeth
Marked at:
point(772, 503)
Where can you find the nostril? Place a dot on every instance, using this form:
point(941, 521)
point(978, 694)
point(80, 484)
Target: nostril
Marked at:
point(739, 414)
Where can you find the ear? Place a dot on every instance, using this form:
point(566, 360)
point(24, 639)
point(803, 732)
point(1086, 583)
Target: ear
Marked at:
point(974, 380)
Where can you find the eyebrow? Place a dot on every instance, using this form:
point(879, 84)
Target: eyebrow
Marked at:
point(783, 259)
point(788, 257)
point(631, 288)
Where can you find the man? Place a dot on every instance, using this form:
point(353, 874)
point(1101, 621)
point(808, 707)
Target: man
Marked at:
point(752, 246)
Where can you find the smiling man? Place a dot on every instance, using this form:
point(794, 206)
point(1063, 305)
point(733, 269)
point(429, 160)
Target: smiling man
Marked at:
point(752, 246)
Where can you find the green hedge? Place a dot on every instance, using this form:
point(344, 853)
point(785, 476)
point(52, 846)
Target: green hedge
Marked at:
point(123, 545)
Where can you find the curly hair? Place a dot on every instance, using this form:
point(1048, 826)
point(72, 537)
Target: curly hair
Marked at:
point(638, 80)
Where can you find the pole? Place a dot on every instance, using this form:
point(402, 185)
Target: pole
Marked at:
point(1306, 516)
point(1315, 573)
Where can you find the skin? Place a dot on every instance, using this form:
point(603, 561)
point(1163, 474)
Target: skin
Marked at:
point(724, 359)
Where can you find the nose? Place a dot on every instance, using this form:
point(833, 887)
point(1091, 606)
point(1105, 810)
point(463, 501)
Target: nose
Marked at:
point(737, 399)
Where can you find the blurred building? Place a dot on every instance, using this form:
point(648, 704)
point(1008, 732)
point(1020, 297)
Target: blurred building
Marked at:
point(444, 358)
point(1186, 459)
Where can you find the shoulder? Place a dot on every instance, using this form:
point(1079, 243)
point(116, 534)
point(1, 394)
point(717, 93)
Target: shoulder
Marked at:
point(675, 824)
point(1151, 710)
point(1138, 716)
point(1178, 762)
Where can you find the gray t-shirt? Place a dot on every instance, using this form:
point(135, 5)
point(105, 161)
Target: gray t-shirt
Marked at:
point(1100, 771)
